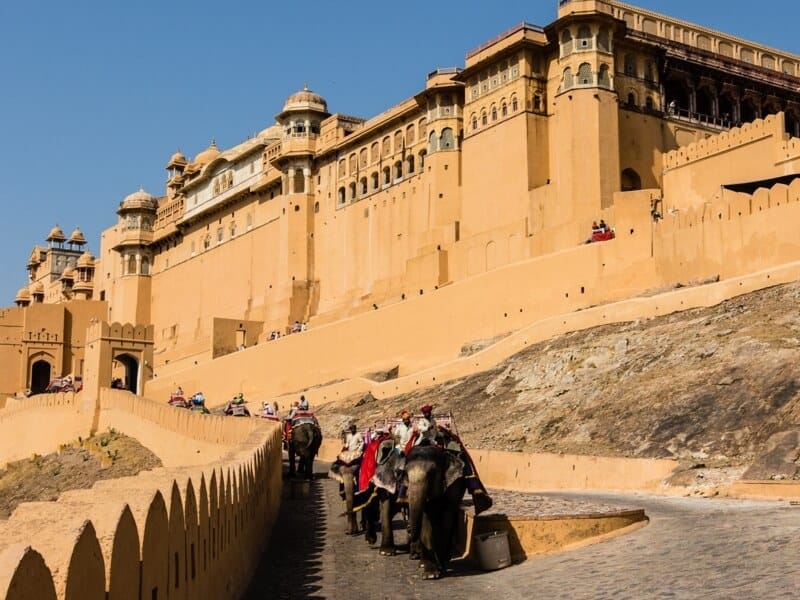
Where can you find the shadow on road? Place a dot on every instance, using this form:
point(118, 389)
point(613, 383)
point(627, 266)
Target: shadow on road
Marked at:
point(291, 566)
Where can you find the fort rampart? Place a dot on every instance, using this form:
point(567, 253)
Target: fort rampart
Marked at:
point(188, 530)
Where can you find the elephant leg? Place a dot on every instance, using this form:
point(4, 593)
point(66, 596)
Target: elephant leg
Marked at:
point(429, 563)
point(387, 531)
point(351, 527)
point(291, 461)
point(310, 467)
point(368, 516)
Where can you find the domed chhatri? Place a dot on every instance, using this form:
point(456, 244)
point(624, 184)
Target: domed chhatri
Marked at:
point(38, 288)
point(139, 200)
point(77, 237)
point(177, 158)
point(85, 260)
point(23, 295)
point(207, 155)
point(305, 99)
point(69, 273)
point(56, 235)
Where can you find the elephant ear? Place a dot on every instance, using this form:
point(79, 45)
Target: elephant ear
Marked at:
point(335, 473)
point(454, 470)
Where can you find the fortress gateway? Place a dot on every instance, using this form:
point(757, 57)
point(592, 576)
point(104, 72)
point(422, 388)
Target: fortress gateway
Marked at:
point(456, 215)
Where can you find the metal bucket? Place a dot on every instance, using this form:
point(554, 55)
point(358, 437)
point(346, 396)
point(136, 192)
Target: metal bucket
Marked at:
point(492, 551)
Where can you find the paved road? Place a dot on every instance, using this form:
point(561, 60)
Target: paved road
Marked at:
point(692, 548)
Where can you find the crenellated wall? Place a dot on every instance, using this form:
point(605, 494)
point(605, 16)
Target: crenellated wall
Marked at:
point(180, 532)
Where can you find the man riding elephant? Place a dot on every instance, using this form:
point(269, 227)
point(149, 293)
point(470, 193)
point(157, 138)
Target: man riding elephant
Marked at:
point(345, 470)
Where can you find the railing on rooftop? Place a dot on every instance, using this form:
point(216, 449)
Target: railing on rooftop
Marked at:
point(505, 34)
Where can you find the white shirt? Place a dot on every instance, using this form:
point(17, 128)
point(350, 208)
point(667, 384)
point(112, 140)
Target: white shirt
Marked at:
point(354, 442)
point(403, 433)
point(427, 429)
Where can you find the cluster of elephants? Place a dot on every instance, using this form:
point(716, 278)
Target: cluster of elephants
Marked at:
point(432, 482)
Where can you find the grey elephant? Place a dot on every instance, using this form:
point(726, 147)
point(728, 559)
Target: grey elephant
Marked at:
point(304, 442)
point(344, 470)
point(436, 485)
point(383, 501)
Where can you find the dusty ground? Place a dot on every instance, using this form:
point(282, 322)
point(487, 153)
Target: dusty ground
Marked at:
point(106, 456)
point(717, 388)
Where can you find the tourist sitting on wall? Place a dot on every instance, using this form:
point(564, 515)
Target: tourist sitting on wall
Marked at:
point(297, 327)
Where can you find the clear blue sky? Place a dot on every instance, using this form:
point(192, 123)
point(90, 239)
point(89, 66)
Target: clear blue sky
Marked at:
point(95, 95)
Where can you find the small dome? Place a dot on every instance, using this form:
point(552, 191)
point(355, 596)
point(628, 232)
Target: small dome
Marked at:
point(273, 131)
point(56, 235)
point(138, 200)
point(23, 295)
point(34, 259)
point(77, 237)
point(305, 99)
point(207, 155)
point(178, 157)
point(69, 273)
point(86, 260)
point(38, 288)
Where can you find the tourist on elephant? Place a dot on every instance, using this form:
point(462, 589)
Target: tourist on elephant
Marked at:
point(303, 404)
point(353, 441)
point(403, 430)
point(426, 427)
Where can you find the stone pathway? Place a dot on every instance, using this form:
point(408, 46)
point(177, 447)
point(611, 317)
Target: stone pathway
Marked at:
point(692, 548)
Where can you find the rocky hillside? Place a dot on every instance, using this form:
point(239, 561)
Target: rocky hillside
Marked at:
point(715, 387)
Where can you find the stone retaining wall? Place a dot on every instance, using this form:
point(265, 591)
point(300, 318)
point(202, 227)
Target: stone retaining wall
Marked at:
point(189, 531)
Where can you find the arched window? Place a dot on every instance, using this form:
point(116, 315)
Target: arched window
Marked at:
point(342, 168)
point(374, 153)
point(584, 40)
point(352, 188)
point(132, 263)
point(353, 164)
point(386, 150)
point(603, 43)
point(649, 103)
point(494, 113)
point(432, 142)
point(423, 128)
point(398, 170)
point(375, 180)
point(446, 142)
point(220, 235)
point(362, 158)
point(630, 65)
point(604, 78)
point(233, 229)
point(630, 180)
point(514, 104)
point(340, 195)
point(566, 81)
point(566, 42)
point(207, 242)
point(249, 222)
point(387, 176)
point(410, 164)
point(484, 118)
point(410, 134)
point(422, 155)
point(585, 74)
point(145, 265)
point(474, 122)
point(504, 110)
point(631, 98)
point(398, 141)
point(363, 186)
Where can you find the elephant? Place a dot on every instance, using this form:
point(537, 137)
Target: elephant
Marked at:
point(344, 470)
point(304, 441)
point(383, 504)
point(436, 485)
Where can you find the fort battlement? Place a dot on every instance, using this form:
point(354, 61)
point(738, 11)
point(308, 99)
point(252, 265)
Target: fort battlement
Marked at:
point(771, 126)
point(180, 532)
